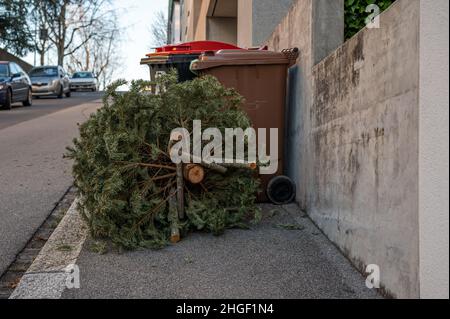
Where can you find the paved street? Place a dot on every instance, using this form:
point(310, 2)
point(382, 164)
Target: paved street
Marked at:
point(33, 175)
point(43, 107)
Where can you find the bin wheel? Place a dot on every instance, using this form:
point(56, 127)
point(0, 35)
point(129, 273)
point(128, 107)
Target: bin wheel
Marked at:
point(281, 190)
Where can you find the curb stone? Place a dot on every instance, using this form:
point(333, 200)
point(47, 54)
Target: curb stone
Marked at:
point(47, 276)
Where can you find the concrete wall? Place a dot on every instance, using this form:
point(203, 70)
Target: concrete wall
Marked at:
point(190, 13)
point(367, 130)
point(193, 19)
point(298, 29)
point(222, 29)
point(364, 143)
point(201, 22)
point(175, 24)
point(245, 23)
point(295, 30)
point(200, 25)
point(433, 149)
point(353, 137)
point(184, 23)
point(266, 15)
point(328, 27)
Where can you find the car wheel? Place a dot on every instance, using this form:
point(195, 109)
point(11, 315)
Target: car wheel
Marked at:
point(61, 92)
point(29, 100)
point(8, 101)
point(69, 94)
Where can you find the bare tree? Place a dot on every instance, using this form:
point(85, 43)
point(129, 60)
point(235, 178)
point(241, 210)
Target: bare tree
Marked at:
point(97, 53)
point(159, 29)
point(41, 42)
point(66, 19)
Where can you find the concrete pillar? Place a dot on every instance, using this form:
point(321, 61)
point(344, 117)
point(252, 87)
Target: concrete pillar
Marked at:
point(266, 15)
point(433, 149)
point(245, 23)
point(328, 27)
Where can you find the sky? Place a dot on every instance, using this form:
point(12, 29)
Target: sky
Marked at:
point(135, 17)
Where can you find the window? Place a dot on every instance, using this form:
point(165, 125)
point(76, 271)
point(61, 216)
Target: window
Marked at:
point(19, 69)
point(83, 75)
point(14, 69)
point(44, 72)
point(4, 70)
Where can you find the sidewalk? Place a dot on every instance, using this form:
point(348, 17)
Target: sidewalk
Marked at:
point(268, 261)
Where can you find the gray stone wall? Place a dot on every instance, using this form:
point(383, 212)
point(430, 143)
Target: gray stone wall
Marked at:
point(352, 136)
point(363, 191)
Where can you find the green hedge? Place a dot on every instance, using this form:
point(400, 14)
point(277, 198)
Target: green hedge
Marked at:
point(355, 14)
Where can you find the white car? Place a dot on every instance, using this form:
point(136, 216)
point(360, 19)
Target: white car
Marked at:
point(83, 81)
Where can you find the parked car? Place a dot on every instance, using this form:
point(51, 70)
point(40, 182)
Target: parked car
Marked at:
point(50, 81)
point(15, 85)
point(83, 81)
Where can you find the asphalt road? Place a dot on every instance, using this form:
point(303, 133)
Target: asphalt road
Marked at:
point(33, 174)
point(43, 107)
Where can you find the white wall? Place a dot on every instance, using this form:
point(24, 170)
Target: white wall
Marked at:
point(433, 149)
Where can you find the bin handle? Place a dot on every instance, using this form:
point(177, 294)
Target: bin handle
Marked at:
point(292, 54)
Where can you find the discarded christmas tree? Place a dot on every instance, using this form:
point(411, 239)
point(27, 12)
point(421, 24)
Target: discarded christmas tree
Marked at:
point(127, 180)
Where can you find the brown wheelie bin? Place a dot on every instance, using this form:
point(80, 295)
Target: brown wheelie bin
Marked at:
point(260, 77)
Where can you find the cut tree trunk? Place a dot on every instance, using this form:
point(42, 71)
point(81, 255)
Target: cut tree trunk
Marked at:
point(194, 173)
point(173, 217)
point(180, 191)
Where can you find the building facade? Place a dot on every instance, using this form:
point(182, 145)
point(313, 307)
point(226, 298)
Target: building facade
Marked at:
point(6, 56)
point(246, 23)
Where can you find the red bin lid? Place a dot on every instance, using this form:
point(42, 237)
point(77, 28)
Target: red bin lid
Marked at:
point(196, 47)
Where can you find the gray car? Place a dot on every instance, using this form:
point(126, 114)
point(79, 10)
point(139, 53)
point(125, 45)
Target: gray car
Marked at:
point(50, 81)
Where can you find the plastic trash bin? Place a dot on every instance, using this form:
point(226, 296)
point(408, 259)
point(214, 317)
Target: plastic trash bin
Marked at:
point(180, 57)
point(261, 78)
